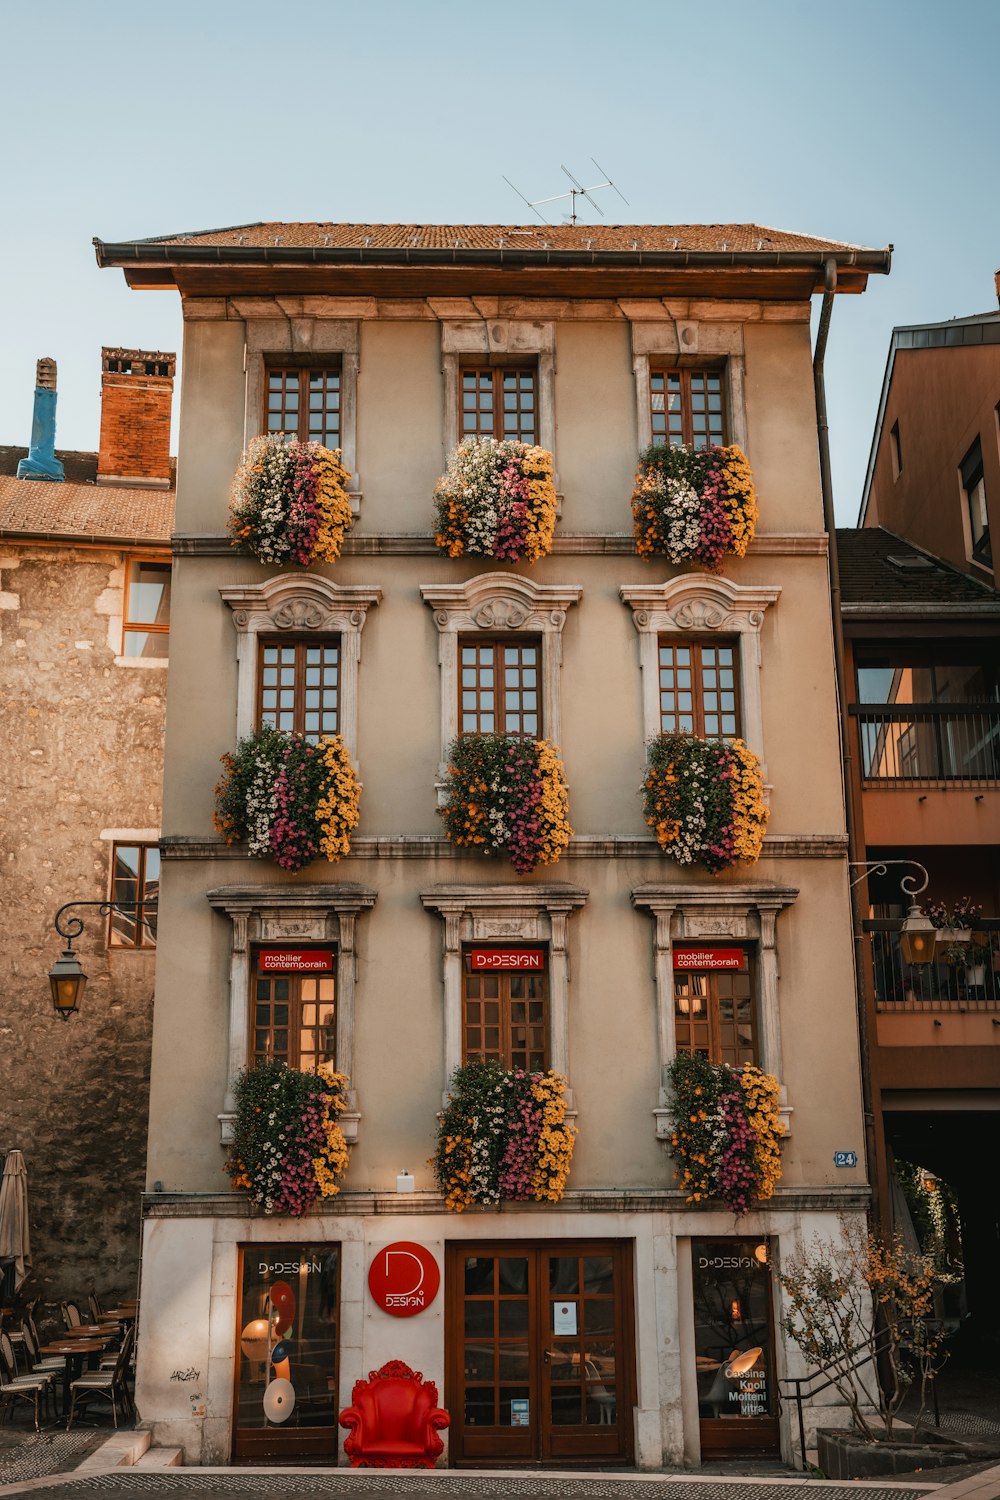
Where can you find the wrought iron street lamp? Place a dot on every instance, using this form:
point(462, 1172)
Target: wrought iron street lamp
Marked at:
point(917, 934)
point(67, 980)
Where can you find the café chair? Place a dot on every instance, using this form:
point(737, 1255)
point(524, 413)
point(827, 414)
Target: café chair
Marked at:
point(14, 1387)
point(71, 1314)
point(104, 1385)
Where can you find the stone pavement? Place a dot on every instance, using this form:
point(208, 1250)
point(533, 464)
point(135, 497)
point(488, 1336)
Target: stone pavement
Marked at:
point(219, 1484)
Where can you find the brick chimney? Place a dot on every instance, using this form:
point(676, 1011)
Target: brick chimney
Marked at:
point(137, 389)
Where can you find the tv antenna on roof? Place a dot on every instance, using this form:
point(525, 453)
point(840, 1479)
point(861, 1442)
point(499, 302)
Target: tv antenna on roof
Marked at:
point(576, 191)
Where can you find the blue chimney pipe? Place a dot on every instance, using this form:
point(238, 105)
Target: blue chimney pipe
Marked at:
point(41, 462)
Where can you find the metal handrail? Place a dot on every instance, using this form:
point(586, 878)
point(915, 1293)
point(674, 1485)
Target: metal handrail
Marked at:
point(798, 1395)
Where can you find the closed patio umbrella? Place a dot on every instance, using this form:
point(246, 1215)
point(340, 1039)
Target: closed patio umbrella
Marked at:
point(14, 1241)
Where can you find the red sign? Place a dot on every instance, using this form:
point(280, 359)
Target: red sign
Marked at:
point(508, 958)
point(295, 961)
point(709, 958)
point(404, 1278)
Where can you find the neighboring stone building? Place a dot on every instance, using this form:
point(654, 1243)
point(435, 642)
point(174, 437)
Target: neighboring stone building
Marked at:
point(603, 1328)
point(934, 470)
point(84, 610)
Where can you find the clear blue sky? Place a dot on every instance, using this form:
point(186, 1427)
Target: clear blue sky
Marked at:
point(868, 122)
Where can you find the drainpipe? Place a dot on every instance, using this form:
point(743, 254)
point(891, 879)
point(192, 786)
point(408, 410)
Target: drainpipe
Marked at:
point(846, 754)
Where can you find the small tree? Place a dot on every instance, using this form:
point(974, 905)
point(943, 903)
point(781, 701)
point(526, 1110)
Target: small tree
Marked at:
point(860, 1309)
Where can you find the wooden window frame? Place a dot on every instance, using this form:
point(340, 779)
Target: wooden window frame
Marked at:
point(296, 916)
point(699, 604)
point(494, 603)
point(506, 1057)
point(296, 605)
point(713, 1014)
point(684, 374)
point(499, 644)
point(667, 343)
point(130, 627)
point(498, 367)
point(293, 1057)
point(744, 916)
point(301, 644)
point(533, 915)
point(698, 644)
point(304, 368)
point(472, 341)
point(278, 341)
point(141, 940)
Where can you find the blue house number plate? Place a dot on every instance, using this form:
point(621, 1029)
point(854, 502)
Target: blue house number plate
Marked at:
point(845, 1158)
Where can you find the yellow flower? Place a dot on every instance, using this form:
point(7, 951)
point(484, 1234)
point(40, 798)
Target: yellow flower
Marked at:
point(337, 810)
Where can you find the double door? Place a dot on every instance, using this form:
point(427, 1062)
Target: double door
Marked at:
point(540, 1352)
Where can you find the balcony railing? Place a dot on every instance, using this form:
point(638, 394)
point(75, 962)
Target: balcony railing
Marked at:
point(970, 986)
point(927, 743)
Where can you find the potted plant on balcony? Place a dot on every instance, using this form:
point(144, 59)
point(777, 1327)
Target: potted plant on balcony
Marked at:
point(954, 926)
point(727, 1131)
point(694, 504)
point(288, 1149)
point(507, 796)
point(704, 800)
point(497, 498)
point(503, 1136)
point(288, 799)
point(289, 501)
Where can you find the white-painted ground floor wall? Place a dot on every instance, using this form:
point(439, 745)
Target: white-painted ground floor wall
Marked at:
point(188, 1344)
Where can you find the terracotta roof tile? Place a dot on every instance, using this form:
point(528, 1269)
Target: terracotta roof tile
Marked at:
point(597, 237)
point(85, 512)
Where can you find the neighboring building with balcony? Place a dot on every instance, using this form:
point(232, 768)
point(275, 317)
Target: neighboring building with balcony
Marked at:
point(923, 667)
point(619, 1323)
point(934, 471)
point(84, 616)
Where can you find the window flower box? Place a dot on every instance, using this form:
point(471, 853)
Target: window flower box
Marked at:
point(727, 1131)
point(289, 501)
point(503, 1137)
point(704, 800)
point(507, 796)
point(288, 1149)
point(694, 504)
point(497, 498)
point(290, 800)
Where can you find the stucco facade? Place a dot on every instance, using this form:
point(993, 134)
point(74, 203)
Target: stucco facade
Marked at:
point(401, 908)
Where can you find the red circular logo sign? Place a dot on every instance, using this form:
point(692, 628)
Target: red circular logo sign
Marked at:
point(404, 1278)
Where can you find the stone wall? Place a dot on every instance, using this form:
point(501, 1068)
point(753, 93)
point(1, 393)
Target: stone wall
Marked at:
point(82, 745)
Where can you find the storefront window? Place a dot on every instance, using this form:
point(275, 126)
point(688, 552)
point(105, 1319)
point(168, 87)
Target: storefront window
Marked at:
point(287, 1397)
point(734, 1358)
point(713, 1004)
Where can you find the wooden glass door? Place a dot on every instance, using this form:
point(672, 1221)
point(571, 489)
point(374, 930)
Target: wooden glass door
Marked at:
point(540, 1352)
point(734, 1347)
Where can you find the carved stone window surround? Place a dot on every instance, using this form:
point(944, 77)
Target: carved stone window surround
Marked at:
point(505, 913)
point(315, 913)
point(748, 913)
point(495, 603)
point(462, 338)
point(297, 337)
point(299, 603)
point(702, 604)
point(685, 342)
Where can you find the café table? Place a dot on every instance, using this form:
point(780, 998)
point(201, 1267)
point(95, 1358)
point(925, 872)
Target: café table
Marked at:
point(126, 1313)
point(74, 1352)
point(105, 1330)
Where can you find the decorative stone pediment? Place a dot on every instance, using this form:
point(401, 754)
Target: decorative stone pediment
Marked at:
point(500, 601)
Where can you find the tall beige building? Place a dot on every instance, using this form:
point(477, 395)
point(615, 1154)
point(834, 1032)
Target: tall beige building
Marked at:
point(612, 1326)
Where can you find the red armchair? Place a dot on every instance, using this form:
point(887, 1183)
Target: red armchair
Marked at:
point(393, 1420)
